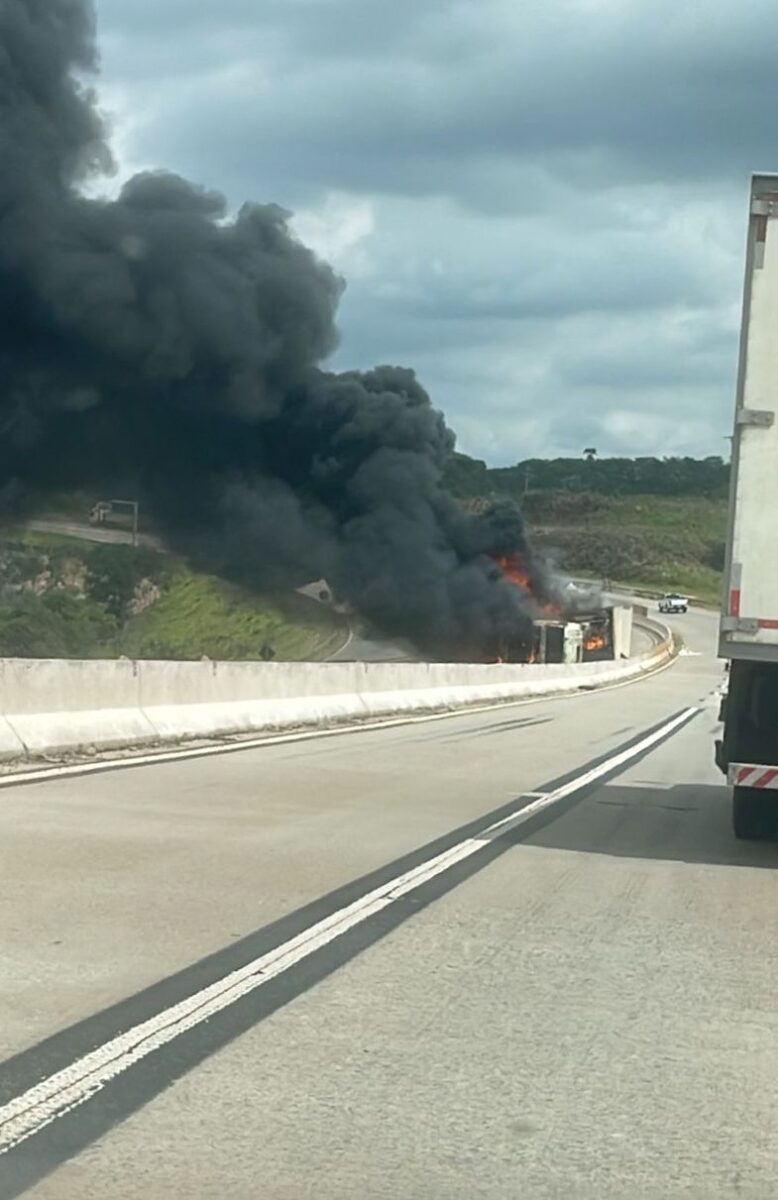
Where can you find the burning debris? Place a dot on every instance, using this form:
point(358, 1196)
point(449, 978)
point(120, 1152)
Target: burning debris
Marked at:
point(159, 346)
point(514, 569)
point(570, 623)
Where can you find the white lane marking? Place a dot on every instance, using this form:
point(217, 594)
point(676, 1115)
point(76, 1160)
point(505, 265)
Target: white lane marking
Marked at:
point(28, 1113)
point(580, 781)
point(344, 647)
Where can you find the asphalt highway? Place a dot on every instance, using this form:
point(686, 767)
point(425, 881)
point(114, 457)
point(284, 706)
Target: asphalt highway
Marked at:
point(513, 953)
point(361, 646)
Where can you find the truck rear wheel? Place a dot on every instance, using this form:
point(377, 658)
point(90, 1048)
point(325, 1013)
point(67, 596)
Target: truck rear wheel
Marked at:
point(749, 813)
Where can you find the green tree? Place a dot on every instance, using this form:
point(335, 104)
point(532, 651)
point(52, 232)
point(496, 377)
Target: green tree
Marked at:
point(114, 572)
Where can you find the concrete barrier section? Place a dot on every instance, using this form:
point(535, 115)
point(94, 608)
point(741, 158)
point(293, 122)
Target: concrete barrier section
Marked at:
point(622, 631)
point(56, 706)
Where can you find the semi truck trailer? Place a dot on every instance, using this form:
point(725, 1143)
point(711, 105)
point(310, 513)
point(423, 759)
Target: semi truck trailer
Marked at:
point(747, 751)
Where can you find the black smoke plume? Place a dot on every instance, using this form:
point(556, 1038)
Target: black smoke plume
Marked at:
point(158, 343)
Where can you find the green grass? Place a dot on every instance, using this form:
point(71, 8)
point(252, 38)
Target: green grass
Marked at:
point(655, 543)
point(198, 615)
point(586, 509)
point(672, 513)
point(62, 596)
point(700, 585)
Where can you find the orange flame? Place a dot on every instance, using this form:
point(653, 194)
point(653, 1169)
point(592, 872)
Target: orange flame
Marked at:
point(595, 641)
point(513, 569)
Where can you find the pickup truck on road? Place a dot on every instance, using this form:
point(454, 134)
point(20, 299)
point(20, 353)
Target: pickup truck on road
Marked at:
point(673, 603)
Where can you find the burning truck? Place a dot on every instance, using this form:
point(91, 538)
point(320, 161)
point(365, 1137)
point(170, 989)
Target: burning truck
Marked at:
point(571, 624)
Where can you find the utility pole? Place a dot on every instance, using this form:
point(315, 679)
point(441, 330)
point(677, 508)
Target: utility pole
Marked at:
point(135, 507)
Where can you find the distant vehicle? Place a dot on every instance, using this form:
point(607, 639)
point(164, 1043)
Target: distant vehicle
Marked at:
point(747, 751)
point(99, 513)
point(673, 603)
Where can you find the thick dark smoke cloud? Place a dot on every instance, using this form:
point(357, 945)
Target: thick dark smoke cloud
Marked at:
point(156, 343)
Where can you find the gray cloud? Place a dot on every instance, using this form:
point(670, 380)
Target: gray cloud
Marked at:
point(555, 191)
point(357, 94)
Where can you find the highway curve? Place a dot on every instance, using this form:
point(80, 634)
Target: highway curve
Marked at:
point(514, 953)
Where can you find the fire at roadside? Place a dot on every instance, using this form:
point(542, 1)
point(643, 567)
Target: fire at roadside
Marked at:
point(570, 623)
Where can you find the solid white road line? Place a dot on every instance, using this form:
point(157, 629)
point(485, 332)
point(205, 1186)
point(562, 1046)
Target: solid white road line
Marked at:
point(72, 1086)
point(581, 781)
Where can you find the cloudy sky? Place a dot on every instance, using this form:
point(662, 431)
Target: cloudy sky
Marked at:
point(538, 204)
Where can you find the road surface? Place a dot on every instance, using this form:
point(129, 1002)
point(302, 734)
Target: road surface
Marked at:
point(63, 527)
point(360, 647)
point(514, 953)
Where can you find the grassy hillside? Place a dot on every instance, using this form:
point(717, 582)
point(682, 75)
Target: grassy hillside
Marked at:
point(197, 614)
point(647, 476)
point(654, 542)
point(63, 597)
point(661, 542)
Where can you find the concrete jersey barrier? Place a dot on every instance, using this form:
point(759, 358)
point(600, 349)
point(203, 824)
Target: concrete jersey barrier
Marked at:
point(58, 706)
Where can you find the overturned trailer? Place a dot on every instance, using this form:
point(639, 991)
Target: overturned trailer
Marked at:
point(597, 636)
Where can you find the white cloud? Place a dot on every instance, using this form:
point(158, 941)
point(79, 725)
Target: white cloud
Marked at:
point(336, 231)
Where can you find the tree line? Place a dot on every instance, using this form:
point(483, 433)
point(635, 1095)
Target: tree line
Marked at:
point(470, 477)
